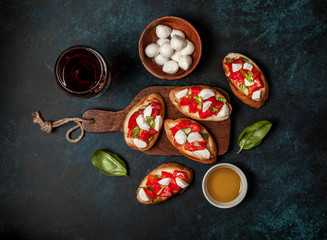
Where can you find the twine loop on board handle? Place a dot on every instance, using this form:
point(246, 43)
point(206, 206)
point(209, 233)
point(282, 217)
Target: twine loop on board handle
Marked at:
point(47, 126)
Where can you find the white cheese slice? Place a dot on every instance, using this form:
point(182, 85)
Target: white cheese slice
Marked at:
point(247, 66)
point(203, 153)
point(256, 95)
point(236, 67)
point(180, 137)
point(142, 123)
point(157, 123)
point(224, 111)
point(143, 196)
point(164, 181)
point(247, 83)
point(194, 136)
point(206, 105)
point(206, 93)
point(181, 183)
point(139, 143)
point(147, 111)
point(182, 93)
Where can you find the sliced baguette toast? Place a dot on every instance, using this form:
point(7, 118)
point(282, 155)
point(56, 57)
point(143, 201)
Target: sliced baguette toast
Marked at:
point(170, 168)
point(211, 145)
point(238, 92)
point(156, 97)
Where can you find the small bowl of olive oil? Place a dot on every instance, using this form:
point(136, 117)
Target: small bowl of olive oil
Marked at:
point(224, 185)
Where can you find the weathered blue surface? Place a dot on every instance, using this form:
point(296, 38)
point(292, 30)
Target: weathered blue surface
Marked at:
point(49, 188)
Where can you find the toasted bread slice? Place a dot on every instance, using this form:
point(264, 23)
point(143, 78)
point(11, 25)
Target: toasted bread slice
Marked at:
point(238, 92)
point(170, 168)
point(210, 145)
point(156, 97)
point(185, 109)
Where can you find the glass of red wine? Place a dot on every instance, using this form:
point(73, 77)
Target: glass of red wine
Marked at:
point(82, 72)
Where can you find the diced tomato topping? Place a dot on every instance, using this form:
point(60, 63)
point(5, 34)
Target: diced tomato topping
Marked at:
point(205, 114)
point(195, 127)
point(149, 193)
point(252, 89)
point(218, 106)
point(173, 185)
point(166, 192)
point(155, 105)
point(141, 111)
point(184, 101)
point(212, 99)
point(143, 135)
point(192, 107)
point(165, 174)
point(156, 188)
point(174, 130)
point(130, 133)
point(151, 180)
point(190, 146)
point(183, 124)
point(180, 174)
point(195, 90)
point(155, 112)
point(152, 131)
point(132, 121)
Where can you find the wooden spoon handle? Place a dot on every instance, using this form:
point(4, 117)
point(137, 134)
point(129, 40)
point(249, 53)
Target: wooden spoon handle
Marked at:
point(105, 121)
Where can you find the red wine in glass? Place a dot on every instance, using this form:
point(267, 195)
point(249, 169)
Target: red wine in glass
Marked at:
point(82, 72)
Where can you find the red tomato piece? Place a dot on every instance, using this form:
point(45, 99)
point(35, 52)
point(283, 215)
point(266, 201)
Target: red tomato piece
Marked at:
point(156, 188)
point(151, 180)
point(152, 131)
point(183, 124)
point(180, 174)
point(155, 105)
point(174, 130)
point(173, 185)
point(143, 135)
point(132, 121)
point(141, 111)
point(195, 127)
point(192, 107)
point(166, 192)
point(205, 114)
point(218, 106)
point(165, 174)
point(184, 101)
point(213, 100)
point(252, 89)
point(190, 146)
point(149, 193)
point(130, 133)
point(238, 60)
point(155, 112)
point(195, 90)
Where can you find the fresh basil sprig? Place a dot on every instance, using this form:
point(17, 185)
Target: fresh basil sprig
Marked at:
point(109, 163)
point(135, 131)
point(228, 60)
point(204, 135)
point(253, 135)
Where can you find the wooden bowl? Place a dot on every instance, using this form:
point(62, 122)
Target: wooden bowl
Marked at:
point(149, 36)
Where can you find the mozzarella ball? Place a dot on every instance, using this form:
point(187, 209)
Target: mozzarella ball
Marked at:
point(177, 42)
point(160, 60)
point(170, 67)
point(189, 49)
point(152, 50)
point(185, 62)
point(163, 31)
point(162, 41)
point(166, 50)
point(176, 56)
point(178, 33)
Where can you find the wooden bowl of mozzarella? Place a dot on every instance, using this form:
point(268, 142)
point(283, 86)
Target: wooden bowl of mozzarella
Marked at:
point(170, 48)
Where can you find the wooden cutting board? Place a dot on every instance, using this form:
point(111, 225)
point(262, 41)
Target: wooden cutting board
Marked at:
point(107, 121)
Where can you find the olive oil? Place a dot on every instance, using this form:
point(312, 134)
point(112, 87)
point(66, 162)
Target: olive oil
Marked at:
point(224, 184)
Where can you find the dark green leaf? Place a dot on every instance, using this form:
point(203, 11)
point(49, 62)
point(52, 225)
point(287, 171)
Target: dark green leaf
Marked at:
point(245, 59)
point(109, 163)
point(244, 89)
point(228, 60)
point(204, 135)
point(135, 131)
point(253, 135)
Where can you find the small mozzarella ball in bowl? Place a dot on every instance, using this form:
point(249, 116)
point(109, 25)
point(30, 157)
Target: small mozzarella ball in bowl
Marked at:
point(166, 50)
point(177, 42)
point(189, 49)
point(161, 41)
point(177, 33)
point(163, 31)
point(160, 60)
point(170, 67)
point(152, 50)
point(185, 62)
point(176, 56)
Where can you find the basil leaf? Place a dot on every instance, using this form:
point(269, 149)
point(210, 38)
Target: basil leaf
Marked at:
point(244, 89)
point(150, 121)
point(213, 109)
point(253, 135)
point(204, 135)
point(245, 59)
point(196, 144)
point(135, 131)
point(150, 138)
point(250, 74)
point(199, 101)
point(109, 163)
point(228, 60)
point(246, 76)
point(187, 131)
point(223, 100)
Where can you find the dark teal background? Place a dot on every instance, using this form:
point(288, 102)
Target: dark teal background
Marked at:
point(49, 188)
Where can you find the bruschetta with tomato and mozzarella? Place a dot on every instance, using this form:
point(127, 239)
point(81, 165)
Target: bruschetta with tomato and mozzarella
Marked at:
point(163, 183)
point(191, 139)
point(144, 122)
point(201, 103)
point(246, 79)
